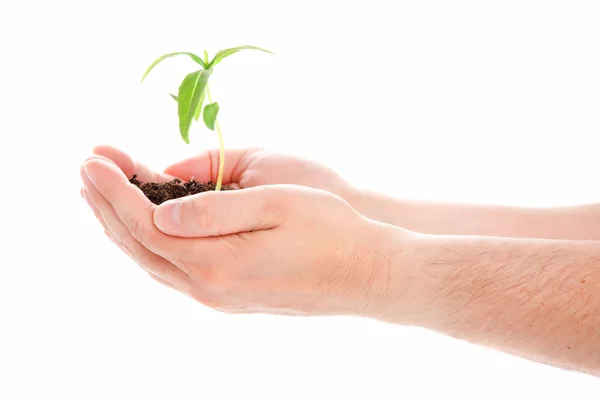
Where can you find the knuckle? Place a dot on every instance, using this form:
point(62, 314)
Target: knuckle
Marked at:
point(136, 228)
point(139, 230)
point(219, 280)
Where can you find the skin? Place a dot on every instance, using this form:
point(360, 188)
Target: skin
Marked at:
point(296, 239)
point(569, 223)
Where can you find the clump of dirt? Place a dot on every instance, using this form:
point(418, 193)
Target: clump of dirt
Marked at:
point(159, 193)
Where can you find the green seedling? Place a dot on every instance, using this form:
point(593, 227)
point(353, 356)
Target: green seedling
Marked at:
point(192, 93)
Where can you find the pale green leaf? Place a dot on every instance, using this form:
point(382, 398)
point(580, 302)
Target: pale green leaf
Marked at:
point(210, 115)
point(199, 107)
point(196, 59)
point(206, 57)
point(190, 92)
point(230, 51)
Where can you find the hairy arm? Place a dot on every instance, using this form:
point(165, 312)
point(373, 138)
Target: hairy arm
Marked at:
point(570, 223)
point(538, 299)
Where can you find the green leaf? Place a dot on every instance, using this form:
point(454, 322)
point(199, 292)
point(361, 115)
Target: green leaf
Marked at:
point(230, 51)
point(210, 115)
point(173, 96)
point(190, 92)
point(196, 59)
point(199, 107)
point(206, 57)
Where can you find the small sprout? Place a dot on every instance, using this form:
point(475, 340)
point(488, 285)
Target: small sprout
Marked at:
point(192, 92)
point(210, 115)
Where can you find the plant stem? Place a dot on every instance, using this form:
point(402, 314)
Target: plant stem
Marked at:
point(221, 156)
point(221, 147)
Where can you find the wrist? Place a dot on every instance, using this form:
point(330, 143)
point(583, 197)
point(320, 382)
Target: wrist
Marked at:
point(395, 291)
point(374, 206)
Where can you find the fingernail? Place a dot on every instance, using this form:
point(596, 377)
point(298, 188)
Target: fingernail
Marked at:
point(88, 199)
point(89, 174)
point(168, 215)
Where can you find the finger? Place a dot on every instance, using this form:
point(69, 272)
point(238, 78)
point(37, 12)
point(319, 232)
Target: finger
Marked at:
point(129, 215)
point(147, 175)
point(205, 167)
point(116, 231)
point(150, 267)
point(129, 166)
point(155, 265)
point(221, 213)
point(129, 203)
point(178, 280)
point(88, 199)
point(163, 282)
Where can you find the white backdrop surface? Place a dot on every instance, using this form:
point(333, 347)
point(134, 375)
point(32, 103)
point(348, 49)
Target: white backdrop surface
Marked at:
point(494, 102)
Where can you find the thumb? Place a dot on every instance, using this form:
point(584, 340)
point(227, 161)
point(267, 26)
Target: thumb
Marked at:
point(220, 213)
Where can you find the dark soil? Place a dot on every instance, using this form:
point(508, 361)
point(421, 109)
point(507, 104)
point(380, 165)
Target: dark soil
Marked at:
point(158, 193)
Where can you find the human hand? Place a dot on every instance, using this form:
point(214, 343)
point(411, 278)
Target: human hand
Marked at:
point(268, 249)
point(245, 168)
point(114, 228)
point(203, 167)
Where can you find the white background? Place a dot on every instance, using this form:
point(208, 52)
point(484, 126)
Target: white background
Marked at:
point(493, 102)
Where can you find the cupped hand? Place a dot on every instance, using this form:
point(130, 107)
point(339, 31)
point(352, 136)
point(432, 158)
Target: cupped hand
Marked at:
point(115, 229)
point(245, 168)
point(269, 249)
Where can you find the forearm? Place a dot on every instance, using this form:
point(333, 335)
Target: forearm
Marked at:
point(537, 299)
point(571, 223)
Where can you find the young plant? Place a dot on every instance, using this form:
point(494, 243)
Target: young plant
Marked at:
point(192, 93)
